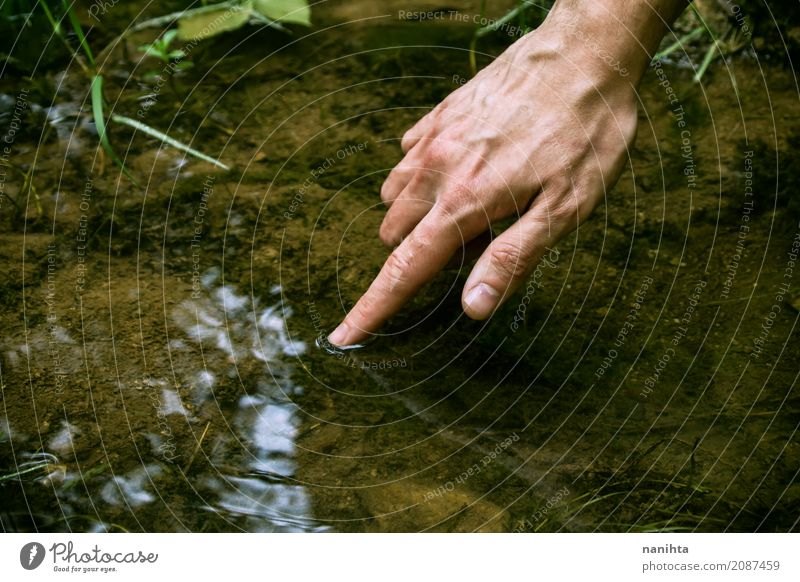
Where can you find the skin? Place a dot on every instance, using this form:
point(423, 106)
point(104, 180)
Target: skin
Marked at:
point(541, 134)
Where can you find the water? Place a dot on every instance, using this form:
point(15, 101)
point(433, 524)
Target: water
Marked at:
point(159, 358)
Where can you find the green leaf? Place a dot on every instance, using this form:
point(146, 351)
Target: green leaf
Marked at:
point(168, 37)
point(76, 25)
point(97, 111)
point(100, 124)
point(56, 24)
point(680, 43)
point(153, 132)
point(212, 20)
point(710, 53)
point(285, 11)
point(151, 50)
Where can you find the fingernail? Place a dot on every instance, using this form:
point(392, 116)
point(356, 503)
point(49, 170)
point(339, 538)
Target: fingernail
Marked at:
point(482, 300)
point(340, 335)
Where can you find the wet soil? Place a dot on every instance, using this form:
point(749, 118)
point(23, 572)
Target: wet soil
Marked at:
point(158, 354)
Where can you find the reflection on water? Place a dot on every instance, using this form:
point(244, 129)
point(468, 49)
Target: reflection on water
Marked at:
point(62, 441)
point(248, 479)
point(132, 489)
point(264, 425)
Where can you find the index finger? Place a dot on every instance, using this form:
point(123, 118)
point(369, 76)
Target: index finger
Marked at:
point(412, 264)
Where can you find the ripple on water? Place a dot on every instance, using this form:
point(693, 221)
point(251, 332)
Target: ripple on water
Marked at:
point(260, 495)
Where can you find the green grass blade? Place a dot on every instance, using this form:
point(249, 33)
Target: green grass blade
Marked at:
point(710, 54)
point(25, 471)
point(58, 30)
point(100, 124)
point(144, 128)
point(97, 111)
point(53, 22)
point(520, 9)
point(172, 18)
point(76, 25)
point(686, 38)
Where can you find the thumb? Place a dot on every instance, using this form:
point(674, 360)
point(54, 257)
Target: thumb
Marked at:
point(509, 260)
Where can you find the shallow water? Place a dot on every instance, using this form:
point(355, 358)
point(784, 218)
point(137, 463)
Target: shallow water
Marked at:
point(159, 358)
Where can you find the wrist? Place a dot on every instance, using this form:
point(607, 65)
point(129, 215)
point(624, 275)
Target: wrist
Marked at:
point(610, 38)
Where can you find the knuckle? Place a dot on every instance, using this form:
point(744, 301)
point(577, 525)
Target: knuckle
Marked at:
point(387, 234)
point(456, 201)
point(397, 179)
point(628, 122)
point(510, 259)
point(629, 131)
point(398, 268)
point(408, 140)
point(409, 136)
point(436, 154)
point(563, 208)
point(387, 189)
point(426, 126)
point(364, 310)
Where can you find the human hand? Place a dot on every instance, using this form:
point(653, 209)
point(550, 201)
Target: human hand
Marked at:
point(541, 134)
